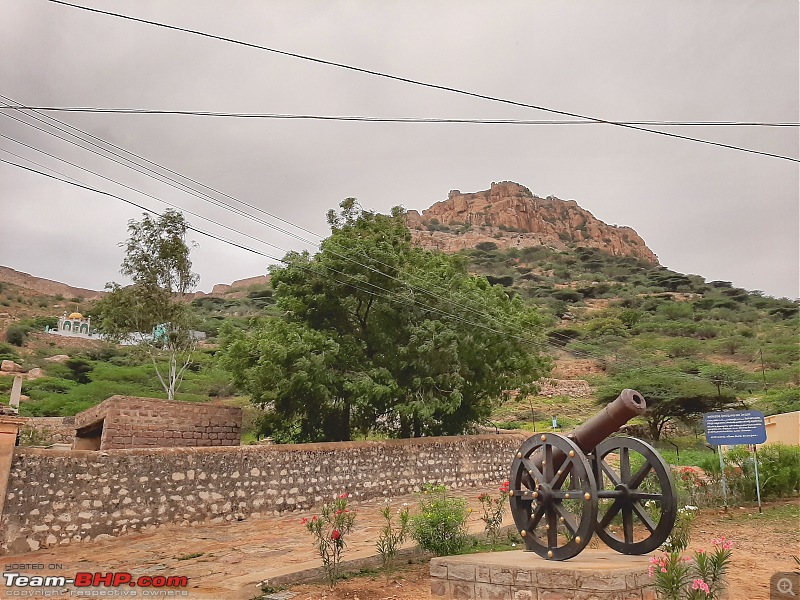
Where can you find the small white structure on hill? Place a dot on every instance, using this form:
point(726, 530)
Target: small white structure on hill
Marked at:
point(74, 325)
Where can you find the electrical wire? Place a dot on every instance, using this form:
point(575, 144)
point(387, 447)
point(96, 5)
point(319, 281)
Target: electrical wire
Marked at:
point(562, 338)
point(418, 82)
point(388, 296)
point(367, 119)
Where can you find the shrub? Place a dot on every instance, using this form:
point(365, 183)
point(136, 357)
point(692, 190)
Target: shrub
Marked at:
point(7, 352)
point(779, 470)
point(16, 335)
point(679, 578)
point(486, 246)
point(678, 539)
point(392, 537)
point(329, 530)
point(493, 508)
point(440, 527)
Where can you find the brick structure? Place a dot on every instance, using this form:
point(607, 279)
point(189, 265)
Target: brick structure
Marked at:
point(130, 422)
point(594, 575)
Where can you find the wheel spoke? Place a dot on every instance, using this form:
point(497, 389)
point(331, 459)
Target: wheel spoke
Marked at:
point(533, 471)
point(561, 474)
point(624, 464)
point(643, 472)
point(646, 496)
point(644, 516)
point(612, 475)
point(552, 529)
point(548, 467)
point(573, 494)
point(536, 517)
point(569, 519)
point(609, 516)
point(627, 524)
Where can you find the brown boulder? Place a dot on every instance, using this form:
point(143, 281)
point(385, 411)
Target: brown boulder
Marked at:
point(9, 366)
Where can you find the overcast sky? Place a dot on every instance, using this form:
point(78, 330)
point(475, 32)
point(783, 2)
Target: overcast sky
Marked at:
point(711, 211)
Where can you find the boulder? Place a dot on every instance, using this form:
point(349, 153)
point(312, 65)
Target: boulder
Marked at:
point(9, 366)
point(58, 358)
point(36, 373)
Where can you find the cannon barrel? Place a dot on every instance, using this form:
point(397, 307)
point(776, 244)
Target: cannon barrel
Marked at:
point(628, 404)
point(608, 421)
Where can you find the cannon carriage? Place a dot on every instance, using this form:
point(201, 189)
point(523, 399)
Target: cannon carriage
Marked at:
point(566, 488)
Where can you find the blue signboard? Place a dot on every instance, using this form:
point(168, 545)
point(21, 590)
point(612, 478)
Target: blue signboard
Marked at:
point(734, 427)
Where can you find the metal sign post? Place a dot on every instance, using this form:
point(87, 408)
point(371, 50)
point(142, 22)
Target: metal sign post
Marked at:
point(758, 485)
point(732, 428)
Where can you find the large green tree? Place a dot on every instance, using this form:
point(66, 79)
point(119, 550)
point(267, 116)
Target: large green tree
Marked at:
point(669, 395)
point(367, 341)
point(153, 310)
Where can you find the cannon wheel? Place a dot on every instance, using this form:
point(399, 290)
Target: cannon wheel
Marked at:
point(630, 494)
point(551, 493)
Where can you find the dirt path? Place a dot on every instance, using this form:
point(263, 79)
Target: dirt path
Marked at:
point(227, 561)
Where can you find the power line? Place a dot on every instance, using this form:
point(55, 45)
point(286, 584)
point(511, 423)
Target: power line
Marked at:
point(479, 313)
point(417, 82)
point(389, 293)
point(367, 119)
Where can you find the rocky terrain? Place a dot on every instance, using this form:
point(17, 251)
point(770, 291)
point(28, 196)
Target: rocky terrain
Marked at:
point(509, 215)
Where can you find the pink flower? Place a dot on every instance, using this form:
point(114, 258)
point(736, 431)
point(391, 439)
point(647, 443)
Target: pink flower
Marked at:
point(335, 535)
point(342, 496)
point(303, 521)
point(699, 584)
point(663, 570)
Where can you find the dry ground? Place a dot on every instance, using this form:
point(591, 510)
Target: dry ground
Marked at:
point(763, 544)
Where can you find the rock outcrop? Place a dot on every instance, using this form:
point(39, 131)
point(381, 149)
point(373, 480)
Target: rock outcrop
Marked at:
point(509, 215)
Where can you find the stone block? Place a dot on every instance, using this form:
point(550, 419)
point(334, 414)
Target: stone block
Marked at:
point(597, 595)
point(556, 594)
point(482, 574)
point(461, 590)
point(556, 578)
point(605, 582)
point(438, 568)
point(502, 575)
point(525, 594)
point(438, 587)
point(491, 591)
point(463, 572)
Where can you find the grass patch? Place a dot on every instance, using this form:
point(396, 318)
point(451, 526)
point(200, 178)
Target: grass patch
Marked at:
point(190, 556)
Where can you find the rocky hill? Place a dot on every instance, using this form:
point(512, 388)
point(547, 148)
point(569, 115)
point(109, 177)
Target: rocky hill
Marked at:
point(509, 215)
point(45, 287)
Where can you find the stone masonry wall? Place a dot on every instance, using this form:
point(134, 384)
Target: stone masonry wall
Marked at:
point(58, 497)
point(48, 430)
point(131, 422)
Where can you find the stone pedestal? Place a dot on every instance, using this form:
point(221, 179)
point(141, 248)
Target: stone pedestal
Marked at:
point(517, 575)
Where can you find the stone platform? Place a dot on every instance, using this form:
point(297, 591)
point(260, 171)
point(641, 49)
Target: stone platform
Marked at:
point(517, 575)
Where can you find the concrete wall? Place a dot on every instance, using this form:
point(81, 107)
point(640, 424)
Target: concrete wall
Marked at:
point(783, 428)
point(58, 497)
point(130, 422)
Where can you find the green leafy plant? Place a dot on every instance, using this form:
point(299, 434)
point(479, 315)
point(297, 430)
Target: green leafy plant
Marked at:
point(329, 529)
point(392, 534)
point(697, 578)
point(678, 539)
point(441, 525)
point(493, 509)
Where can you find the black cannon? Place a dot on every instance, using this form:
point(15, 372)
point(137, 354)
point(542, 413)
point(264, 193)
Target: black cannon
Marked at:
point(564, 488)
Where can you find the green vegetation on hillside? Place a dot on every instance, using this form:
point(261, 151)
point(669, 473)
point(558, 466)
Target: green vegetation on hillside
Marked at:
point(688, 343)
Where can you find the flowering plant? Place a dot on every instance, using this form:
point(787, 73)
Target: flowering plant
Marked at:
point(329, 530)
point(678, 540)
point(700, 578)
point(392, 536)
point(493, 510)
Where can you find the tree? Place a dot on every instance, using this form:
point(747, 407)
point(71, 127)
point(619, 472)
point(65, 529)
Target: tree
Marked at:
point(669, 395)
point(725, 376)
point(153, 310)
point(364, 344)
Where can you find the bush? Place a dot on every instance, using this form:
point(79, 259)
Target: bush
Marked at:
point(7, 352)
point(486, 246)
point(16, 335)
point(779, 470)
point(440, 527)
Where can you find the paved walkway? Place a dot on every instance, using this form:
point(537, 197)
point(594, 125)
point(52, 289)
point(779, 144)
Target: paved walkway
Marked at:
point(234, 557)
